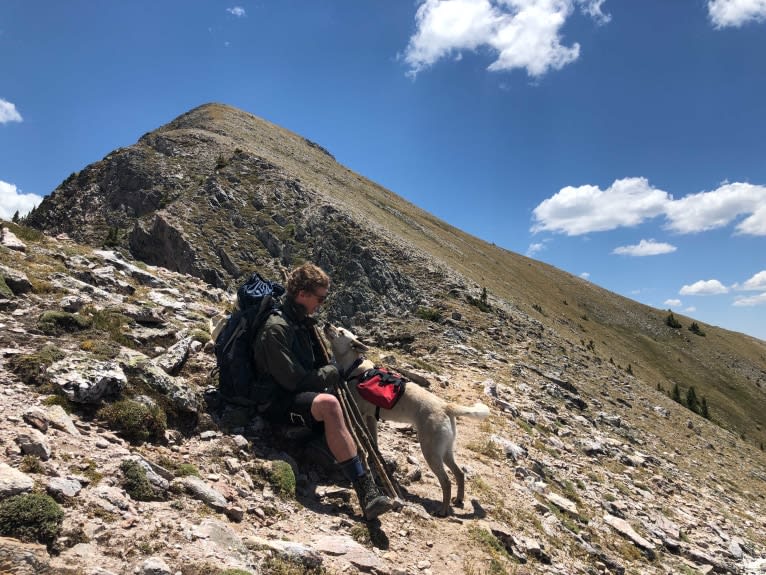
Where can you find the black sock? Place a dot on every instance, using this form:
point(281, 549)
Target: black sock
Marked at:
point(352, 469)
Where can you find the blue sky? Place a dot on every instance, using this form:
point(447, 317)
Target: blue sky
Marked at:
point(621, 141)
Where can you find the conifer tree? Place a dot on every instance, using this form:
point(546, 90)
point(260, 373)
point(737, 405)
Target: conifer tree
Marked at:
point(691, 400)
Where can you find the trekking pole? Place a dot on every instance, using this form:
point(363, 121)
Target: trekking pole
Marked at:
point(372, 449)
point(358, 429)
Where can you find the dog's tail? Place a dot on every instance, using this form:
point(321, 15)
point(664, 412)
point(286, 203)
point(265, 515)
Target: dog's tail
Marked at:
point(476, 411)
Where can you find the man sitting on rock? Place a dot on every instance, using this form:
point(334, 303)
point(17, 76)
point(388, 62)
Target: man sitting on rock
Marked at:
point(298, 382)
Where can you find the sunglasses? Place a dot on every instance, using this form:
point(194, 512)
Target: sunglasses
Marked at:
point(320, 298)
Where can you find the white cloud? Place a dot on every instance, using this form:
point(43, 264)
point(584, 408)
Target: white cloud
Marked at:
point(690, 309)
point(710, 210)
point(8, 112)
point(672, 302)
point(704, 287)
point(645, 248)
point(750, 301)
point(237, 11)
point(535, 248)
point(12, 201)
point(584, 209)
point(585, 275)
point(735, 13)
point(756, 283)
point(630, 201)
point(519, 33)
point(593, 9)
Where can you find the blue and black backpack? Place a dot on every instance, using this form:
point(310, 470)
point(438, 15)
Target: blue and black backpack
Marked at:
point(258, 299)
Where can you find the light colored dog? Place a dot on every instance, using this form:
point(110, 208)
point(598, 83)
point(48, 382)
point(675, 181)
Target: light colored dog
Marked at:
point(432, 417)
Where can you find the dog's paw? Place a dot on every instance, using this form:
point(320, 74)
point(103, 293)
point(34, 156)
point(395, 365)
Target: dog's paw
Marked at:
point(458, 502)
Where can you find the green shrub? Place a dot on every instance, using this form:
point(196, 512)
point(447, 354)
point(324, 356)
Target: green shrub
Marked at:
point(429, 313)
point(695, 329)
point(671, 321)
point(135, 482)
point(200, 335)
point(110, 322)
point(32, 517)
point(57, 322)
point(31, 367)
point(5, 291)
point(282, 478)
point(31, 464)
point(101, 348)
point(279, 565)
point(135, 421)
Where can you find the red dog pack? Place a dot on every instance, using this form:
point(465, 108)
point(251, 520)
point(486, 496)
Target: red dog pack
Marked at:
point(381, 387)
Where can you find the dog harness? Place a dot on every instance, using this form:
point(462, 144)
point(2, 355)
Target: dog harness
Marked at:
point(378, 385)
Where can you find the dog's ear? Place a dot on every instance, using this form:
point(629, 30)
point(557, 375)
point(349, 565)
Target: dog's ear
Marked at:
point(358, 345)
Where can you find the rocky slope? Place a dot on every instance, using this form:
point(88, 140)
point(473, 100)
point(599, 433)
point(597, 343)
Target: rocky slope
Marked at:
point(586, 465)
point(219, 192)
point(582, 468)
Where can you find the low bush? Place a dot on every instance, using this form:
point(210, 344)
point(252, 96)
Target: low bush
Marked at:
point(671, 321)
point(282, 478)
point(134, 421)
point(57, 322)
point(31, 517)
point(31, 367)
point(429, 314)
point(135, 482)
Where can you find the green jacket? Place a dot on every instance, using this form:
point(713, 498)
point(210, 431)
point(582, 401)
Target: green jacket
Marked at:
point(287, 358)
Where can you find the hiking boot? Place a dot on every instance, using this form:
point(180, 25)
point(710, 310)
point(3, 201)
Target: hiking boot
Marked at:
point(373, 502)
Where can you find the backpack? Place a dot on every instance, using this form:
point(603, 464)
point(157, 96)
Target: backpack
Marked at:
point(258, 299)
point(381, 387)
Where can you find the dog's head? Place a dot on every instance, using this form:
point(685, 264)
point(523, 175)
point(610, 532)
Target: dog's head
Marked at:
point(343, 342)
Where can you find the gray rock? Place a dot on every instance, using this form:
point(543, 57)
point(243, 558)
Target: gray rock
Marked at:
point(50, 416)
point(296, 552)
point(13, 481)
point(199, 489)
point(60, 419)
point(155, 566)
point(16, 280)
point(58, 487)
point(511, 449)
point(74, 303)
point(23, 558)
point(624, 529)
point(142, 276)
point(173, 359)
point(84, 380)
point(11, 241)
point(139, 367)
point(32, 442)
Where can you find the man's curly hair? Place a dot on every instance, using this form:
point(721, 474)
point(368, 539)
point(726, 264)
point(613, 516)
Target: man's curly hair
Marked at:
point(306, 277)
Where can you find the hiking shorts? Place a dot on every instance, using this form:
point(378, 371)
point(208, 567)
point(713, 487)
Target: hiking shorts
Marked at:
point(295, 410)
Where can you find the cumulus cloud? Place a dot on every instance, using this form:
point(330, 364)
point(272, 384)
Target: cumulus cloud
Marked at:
point(645, 248)
point(631, 201)
point(672, 302)
point(704, 287)
point(750, 301)
point(724, 13)
point(690, 309)
point(12, 201)
point(237, 11)
point(8, 112)
point(584, 209)
point(535, 248)
point(520, 34)
point(716, 209)
point(755, 283)
point(585, 275)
